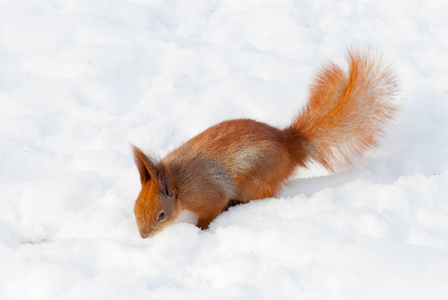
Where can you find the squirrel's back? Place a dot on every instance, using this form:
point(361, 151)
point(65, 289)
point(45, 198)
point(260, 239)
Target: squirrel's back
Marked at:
point(245, 158)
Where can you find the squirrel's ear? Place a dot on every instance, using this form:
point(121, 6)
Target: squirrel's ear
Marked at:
point(145, 165)
point(167, 184)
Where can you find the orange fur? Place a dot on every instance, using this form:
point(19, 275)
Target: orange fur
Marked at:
point(241, 160)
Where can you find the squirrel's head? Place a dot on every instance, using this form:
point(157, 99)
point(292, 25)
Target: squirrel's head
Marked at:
point(156, 205)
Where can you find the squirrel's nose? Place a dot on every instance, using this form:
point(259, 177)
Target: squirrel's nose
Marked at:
point(144, 234)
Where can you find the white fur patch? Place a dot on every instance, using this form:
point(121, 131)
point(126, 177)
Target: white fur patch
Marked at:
point(247, 157)
point(187, 216)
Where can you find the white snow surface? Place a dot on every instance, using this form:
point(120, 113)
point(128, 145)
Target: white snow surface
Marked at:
point(80, 80)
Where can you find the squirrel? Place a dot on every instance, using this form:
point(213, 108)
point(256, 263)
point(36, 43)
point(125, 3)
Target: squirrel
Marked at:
point(241, 160)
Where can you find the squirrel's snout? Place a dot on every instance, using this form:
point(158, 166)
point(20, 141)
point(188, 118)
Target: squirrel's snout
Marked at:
point(144, 235)
point(147, 233)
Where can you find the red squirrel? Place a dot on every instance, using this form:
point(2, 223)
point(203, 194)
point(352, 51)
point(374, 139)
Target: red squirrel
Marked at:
point(241, 160)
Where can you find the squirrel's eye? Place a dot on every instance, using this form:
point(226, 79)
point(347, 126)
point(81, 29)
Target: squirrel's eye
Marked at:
point(162, 216)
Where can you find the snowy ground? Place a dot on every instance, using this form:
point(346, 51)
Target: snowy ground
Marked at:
point(82, 79)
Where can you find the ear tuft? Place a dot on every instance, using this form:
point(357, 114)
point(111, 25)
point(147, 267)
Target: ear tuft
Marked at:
point(145, 165)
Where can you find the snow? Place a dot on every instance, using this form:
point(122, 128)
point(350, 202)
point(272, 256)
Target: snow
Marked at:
point(80, 80)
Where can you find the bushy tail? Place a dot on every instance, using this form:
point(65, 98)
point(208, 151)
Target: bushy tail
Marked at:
point(347, 112)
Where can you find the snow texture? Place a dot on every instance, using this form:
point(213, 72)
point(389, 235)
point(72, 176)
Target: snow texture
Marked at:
point(82, 79)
